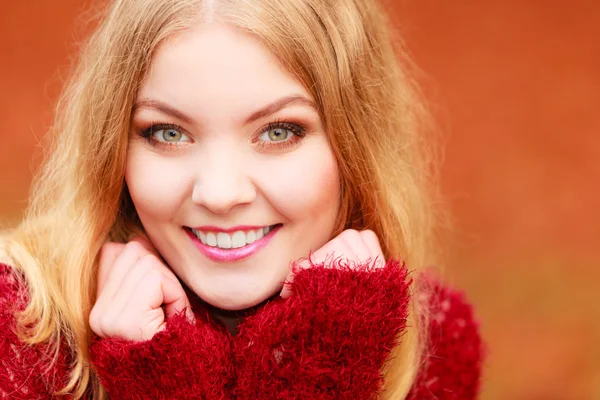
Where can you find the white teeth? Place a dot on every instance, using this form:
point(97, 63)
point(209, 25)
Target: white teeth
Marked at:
point(223, 240)
point(251, 237)
point(211, 239)
point(236, 240)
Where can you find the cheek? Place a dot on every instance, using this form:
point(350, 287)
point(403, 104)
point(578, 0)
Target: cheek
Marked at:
point(305, 184)
point(157, 185)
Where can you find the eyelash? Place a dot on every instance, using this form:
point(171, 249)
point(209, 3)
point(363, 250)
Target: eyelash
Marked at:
point(298, 132)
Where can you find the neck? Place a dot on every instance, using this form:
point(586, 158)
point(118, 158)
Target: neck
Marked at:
point(230, 318)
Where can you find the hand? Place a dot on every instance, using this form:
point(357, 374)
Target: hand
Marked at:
point(342, 316)
point(133, 286)
point(352, 245)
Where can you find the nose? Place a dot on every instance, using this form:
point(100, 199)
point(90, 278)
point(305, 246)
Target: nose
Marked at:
point(222, 183)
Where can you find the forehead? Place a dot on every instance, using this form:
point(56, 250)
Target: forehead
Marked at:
point(216, 67)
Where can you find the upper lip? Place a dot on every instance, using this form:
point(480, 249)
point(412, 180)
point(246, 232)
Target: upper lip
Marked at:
point(212, 228)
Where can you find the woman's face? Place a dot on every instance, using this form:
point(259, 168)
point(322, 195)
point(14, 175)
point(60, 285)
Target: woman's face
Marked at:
point(229, 167)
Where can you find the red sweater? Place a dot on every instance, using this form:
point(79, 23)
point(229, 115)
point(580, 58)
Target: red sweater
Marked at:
point(329, 340)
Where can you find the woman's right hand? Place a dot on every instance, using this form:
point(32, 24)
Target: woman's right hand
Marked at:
point(136, 292)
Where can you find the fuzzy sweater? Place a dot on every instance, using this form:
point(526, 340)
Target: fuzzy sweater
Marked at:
point(329, 340)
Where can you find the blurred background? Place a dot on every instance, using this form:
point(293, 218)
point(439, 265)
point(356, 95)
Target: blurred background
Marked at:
point(515, 86)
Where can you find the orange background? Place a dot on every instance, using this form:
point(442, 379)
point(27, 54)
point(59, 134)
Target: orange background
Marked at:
point(516, 88)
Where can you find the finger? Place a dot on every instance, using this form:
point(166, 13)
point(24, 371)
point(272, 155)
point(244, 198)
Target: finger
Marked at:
point(358, 250)
point(147, 244)
point(106, 292)
point(286, 289)
point(109, 253)
point(171, 292)
point(330, 251)
point(109, 311)
point(142, 315)
point(132, 252)
point(174, 298)
point(95, 321)
point(335, 248)
point(128, 285)
point(372, 242)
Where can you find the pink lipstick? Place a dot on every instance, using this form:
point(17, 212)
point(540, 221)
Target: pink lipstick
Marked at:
point(235, 254)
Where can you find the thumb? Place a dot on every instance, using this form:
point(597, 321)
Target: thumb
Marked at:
point(286, 291)
point(175, 299)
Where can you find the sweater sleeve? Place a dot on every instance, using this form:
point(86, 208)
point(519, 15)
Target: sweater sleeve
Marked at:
point(329, 339)
point(26, 371)
point(453, 359)
point(185, 361)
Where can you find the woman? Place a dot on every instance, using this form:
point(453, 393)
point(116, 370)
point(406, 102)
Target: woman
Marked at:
point(207, 152)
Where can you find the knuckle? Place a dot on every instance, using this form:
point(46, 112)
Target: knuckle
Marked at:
point(349, 235)
point(154, 277)
point(93, 319)
point(370, 234)
point(106, 249)
point(154, 273)
point(106, 323)
point(152, 262)
point(135, 247)
point(148, 261)
point(150, 277)
point(349, 232)
point(109, 249)
point(145, 243)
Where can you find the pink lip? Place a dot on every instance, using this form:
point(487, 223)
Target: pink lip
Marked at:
point(229, 255)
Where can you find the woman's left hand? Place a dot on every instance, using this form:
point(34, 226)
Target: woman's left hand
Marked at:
point(352, 245)
point(332, 334)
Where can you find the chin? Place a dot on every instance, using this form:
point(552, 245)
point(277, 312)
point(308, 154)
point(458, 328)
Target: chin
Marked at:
point(237, 300)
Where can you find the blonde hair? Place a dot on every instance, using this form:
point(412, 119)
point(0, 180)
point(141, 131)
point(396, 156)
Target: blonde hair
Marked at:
point(339, 50)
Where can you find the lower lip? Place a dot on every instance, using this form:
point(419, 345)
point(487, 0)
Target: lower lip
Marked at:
point(229, 255)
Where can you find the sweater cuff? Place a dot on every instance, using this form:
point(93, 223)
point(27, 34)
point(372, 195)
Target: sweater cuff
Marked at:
point(182, 361)
point(330, 338)
point(455, 353)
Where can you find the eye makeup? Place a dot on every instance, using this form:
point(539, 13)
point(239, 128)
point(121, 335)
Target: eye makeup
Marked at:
point(295, 132)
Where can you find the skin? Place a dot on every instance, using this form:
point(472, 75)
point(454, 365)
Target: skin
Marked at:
point(223, 170)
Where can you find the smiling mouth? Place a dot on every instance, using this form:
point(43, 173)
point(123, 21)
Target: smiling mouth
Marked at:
point(231, 247)
point(231, 240)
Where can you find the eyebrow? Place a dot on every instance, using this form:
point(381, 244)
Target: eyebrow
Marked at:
point(277, 105)
point(267, 110)
point(162, 107)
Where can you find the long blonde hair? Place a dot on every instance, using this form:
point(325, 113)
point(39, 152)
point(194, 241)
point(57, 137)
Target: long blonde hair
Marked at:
point(341, 51)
